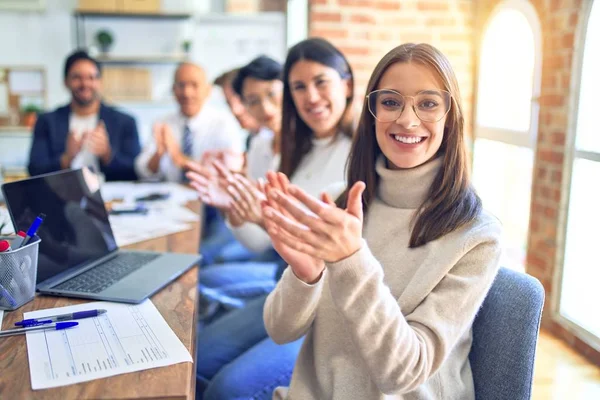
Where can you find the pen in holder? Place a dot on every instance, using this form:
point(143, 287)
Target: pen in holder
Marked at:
point(18, 272)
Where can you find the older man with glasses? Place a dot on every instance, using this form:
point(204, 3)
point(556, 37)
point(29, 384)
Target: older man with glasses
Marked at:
point(85, 132)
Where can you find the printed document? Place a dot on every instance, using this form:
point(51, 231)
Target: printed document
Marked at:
point(126, 338)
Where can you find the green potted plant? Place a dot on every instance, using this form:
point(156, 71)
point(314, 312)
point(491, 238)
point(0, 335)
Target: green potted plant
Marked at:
point(30, 113)
point(186, 45)
point(105, 40)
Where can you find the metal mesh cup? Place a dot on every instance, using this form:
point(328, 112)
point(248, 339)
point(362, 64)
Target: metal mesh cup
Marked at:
point(18, 271)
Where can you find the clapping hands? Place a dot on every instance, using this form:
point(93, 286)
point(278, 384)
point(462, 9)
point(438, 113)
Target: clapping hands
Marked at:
point(306, 231)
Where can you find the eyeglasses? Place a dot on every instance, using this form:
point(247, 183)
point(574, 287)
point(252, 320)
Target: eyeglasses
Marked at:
point(78, 77)
point(255, 102)
point(387, 105)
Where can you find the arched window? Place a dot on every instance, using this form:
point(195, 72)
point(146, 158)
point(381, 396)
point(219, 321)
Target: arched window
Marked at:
point(581, 264)
point(506, 121)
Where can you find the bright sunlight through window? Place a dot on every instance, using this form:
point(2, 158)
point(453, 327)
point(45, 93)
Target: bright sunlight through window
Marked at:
point(506, 78)
point(503, 152)
point(581, 269)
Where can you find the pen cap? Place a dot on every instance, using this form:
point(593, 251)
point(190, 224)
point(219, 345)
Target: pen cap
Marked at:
point(4, 246)
point(18, 272)
point(65, 325)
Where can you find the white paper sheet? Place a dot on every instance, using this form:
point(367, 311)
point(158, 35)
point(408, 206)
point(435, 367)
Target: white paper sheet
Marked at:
point(127, 338)
point(25, 82)
point(129, 229)
point(1, 316)
point(128, 191)
point(5, 219)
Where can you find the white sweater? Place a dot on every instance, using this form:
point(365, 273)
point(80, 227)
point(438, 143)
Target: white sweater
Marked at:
point(389, 322)
point(260, 157)
point(322, 167)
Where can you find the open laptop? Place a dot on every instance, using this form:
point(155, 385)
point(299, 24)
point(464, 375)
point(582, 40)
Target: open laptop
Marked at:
point(78, 254)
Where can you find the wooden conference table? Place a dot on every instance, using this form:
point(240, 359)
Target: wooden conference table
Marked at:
point(177, 304)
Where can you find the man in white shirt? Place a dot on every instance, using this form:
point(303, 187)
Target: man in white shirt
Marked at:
point(196, 130)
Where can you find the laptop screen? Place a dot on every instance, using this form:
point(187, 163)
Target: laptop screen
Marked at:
point(76, 229)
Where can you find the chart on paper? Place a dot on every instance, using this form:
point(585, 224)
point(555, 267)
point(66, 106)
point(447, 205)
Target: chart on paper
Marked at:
point(127, 338)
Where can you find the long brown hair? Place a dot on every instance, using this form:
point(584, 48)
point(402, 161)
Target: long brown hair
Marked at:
point(296, 136)
point(452, 201)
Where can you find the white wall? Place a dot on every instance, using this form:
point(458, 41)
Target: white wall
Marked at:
point(44, 39)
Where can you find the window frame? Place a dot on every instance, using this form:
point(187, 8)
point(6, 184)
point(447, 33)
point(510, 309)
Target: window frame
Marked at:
point(509, 136)
point(572, 154)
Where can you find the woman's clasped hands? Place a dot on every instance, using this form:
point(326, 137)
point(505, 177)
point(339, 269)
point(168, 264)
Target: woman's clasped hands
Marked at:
point(231, 192)
point(306, 231)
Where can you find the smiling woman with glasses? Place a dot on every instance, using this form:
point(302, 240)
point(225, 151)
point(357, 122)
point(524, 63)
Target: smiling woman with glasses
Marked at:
point(385, 281)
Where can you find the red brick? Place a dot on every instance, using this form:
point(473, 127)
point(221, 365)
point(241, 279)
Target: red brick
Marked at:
point(568, 40)
point(556, 194)
point(330, 33)
point(536, 261)
point(534, 226)
point(354, 51)
point(362, 19)
point(556, 178)
point(390, 5)
point(549, 81)
point(318, 2)
point(549, 156)
point(545, 192)
point(573, 19)
point(552, 100)
point(537, 208)
point(541, 173)
point(356, 3)
point(558, 138)
point(326, 17)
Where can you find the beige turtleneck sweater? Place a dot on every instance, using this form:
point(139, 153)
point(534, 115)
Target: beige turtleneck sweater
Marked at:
point(389, 322)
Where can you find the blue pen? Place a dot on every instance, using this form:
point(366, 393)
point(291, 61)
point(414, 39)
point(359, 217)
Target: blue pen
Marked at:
point(58, 318)
point(57, 327)
point(33, 229)
point(4, 293)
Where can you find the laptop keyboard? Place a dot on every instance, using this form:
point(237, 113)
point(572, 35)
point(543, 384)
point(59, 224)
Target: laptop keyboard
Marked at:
point(106, 274)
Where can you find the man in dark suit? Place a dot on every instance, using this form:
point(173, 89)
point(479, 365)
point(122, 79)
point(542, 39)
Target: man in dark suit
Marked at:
point(85, 132)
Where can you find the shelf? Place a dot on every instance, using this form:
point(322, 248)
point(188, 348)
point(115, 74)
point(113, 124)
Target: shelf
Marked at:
point(115, 14)
point(143, 59)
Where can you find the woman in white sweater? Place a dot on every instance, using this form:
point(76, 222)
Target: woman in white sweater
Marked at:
point(386, 283)
point(236, 359)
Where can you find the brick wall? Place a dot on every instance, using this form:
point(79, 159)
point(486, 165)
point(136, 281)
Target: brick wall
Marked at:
point(367, 29)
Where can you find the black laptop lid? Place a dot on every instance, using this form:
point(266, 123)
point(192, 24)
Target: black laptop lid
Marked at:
point(76, 230)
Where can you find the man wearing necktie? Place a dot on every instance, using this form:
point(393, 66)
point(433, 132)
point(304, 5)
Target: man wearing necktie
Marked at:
point(195, 131)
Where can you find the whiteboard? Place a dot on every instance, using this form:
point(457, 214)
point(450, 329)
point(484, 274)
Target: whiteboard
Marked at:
point(224, 42)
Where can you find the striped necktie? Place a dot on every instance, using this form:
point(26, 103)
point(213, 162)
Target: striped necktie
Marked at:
point(187, 144)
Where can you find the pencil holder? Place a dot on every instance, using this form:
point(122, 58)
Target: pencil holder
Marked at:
point(18, 272)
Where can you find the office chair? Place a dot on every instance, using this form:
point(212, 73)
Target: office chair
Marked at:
point(505, 333)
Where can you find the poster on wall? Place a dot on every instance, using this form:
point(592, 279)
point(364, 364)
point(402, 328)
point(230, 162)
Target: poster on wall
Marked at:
point(224, 42)
point(22, 5)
